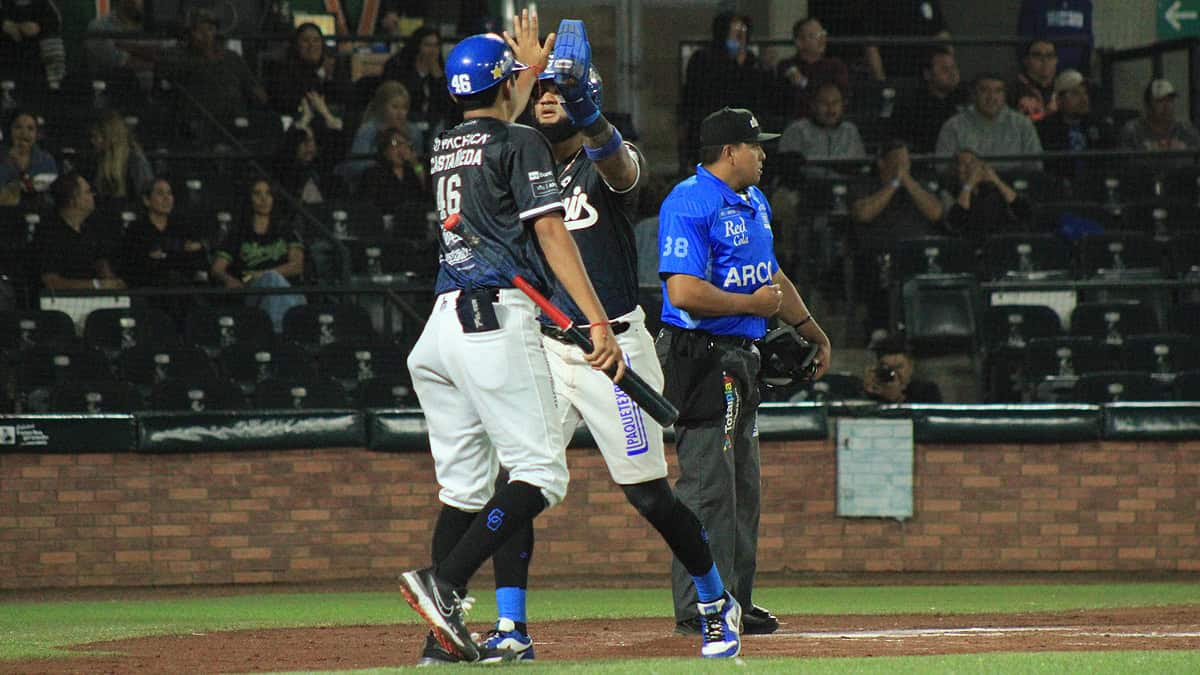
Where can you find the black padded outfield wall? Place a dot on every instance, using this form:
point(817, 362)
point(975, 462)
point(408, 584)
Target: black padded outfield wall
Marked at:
point(68, 433)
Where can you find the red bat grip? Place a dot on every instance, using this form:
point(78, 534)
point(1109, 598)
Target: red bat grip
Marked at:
point(556, 315)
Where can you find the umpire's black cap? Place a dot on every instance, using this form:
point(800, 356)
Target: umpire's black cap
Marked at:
point(730, 126)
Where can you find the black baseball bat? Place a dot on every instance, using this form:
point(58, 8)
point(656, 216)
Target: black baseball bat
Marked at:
point(638, 390)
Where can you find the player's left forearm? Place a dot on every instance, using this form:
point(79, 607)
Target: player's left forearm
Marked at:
point(620, 169)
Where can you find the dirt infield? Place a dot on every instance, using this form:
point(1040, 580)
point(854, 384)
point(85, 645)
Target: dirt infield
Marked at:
point(800, 636)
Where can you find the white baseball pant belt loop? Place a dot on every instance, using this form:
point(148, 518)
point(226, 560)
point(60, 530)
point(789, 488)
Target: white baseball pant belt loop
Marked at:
point(488, 401)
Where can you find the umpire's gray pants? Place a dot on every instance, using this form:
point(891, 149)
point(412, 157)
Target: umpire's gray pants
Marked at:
point(719, 479)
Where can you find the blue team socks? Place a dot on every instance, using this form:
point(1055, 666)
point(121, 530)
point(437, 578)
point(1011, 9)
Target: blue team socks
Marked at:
point(510, 603)
point(709, 587)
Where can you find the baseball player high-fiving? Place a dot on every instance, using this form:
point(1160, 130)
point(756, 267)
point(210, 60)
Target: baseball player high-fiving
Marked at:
point(600, 175)
point(478, 368)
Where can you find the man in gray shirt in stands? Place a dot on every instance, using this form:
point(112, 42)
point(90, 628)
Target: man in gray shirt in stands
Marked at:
point(826, 135)
point(990, 127)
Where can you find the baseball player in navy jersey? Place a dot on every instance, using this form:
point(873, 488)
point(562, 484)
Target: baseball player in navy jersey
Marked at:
point(721, 283)
point(600, 176)
point(478, 368)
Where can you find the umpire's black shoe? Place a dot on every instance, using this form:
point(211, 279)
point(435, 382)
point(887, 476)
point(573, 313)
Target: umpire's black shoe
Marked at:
point(434, 655)
point(692, 626)
point(759, 621)
point(441, 606)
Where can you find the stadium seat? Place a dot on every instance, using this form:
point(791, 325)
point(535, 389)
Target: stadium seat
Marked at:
point(300, 394)
point(249, 363)
point(147, 366)
point(1183, 256)
point(1119, 254)
point(354, 362)
point(1012, 326)
point(1035, 186)
point(1113, 386)
point(26, 329)
point(1183, 184)
point(315, 325)
point(931, 255)
point(1026, 257)
point(1185, 318)
point(375, 258)
point(216, 328)
point(115, 330)
point(1067, 356)
point(1186, 386)
point(1111, 322)
point(1067, 216)
point(197, 395)
point(1113, 186)
point(349, 218)
point(47, 366)
point(942, 313)
point(1161, 354)
point(389, 391)
point(103, 396)
point(1161, 219)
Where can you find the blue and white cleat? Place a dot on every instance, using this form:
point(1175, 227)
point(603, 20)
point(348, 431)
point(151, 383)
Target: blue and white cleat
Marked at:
point(721, 622)
point(505, 643)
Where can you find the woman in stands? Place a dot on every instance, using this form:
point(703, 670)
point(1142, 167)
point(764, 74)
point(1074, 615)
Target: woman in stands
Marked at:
point(307, 67)
point(262, 253)
point(121, 168)
point(388, 110)
point(397, 184)
point(421, 68)
point(158, 249)
point(22, 160)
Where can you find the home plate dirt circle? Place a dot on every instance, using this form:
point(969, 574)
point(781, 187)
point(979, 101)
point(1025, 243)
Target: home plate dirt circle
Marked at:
point(346, 648)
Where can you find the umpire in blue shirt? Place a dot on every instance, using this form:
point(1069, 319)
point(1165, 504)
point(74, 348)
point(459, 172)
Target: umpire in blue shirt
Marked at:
point(721, 285)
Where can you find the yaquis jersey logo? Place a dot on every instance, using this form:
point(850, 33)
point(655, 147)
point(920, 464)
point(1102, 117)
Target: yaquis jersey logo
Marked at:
point(580, 212)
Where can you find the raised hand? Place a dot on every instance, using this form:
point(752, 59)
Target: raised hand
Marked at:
point(571, 66)
point(523, 41)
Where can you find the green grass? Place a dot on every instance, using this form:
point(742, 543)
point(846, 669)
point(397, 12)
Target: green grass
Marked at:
point(33, 630)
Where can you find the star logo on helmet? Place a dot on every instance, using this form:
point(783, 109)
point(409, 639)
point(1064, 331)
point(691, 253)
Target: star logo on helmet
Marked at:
point(497, 71)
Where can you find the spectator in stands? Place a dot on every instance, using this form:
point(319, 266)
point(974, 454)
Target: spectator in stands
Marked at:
point(388, 110)
point(122, 62)
point(1073, 126)
point(307, 67)
point(262, 253)
point(901, 18)
point(1032, 92)
point(1158, 129)
point(826, 134)
point(70, 254)
point(723, 73)
point(213, 76)
point(298, 170)
point(989, 127)
point(121, 168)
point(396, 184)
point(980, 203)
point(421, 68)
point(1056, 19)
point(920, 113)
point(27, 30)
point(158, 250)
point(803, 74)
point(891, 379)
point(898, 207)
point(22, 161)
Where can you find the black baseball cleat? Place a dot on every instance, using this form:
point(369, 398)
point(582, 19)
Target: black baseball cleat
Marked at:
point(692, 626)
point(441, 607)
point(759, 621)
point(434, 654)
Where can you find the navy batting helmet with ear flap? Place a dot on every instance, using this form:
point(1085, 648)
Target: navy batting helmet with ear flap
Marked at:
point(479, 62)
point(595, 84)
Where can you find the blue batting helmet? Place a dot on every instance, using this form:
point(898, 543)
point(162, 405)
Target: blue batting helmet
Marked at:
point(479, 62)
point(595, 84)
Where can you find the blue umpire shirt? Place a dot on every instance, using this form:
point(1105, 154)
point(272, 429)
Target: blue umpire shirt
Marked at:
point(708, 231)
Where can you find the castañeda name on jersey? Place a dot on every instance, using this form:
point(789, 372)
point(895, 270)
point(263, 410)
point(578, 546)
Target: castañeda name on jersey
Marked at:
point(580, 212)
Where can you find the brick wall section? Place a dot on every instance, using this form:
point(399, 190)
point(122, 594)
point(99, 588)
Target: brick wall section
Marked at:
point(130, 519)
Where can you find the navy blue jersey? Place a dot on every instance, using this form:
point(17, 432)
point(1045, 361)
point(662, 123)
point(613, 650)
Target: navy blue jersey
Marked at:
point(499, 177)
point(601, 221)
point(708, 231)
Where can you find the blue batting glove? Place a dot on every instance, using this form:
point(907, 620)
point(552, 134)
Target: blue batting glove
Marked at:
point(572, 59)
